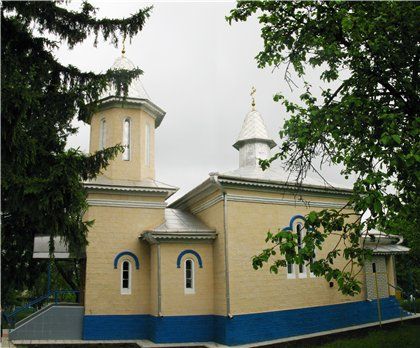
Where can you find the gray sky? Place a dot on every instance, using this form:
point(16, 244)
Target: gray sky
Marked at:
point(200, 71)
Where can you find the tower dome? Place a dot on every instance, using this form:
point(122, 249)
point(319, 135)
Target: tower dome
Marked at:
point(136, 88)
point(253, 141)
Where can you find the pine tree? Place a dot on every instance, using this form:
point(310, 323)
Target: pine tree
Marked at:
point(42, 190)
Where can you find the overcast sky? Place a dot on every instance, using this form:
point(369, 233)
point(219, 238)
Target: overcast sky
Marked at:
point(200, 71)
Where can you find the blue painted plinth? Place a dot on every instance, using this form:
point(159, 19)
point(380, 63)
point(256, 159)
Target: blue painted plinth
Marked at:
point(241, 329)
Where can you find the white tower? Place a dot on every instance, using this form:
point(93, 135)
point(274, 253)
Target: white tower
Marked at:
point(253, 141)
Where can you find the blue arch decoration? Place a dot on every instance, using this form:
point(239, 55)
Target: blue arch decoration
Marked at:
point(292, 220)
point(189, 251)
point(128, 253)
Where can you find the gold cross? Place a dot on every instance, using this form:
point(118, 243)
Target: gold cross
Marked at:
point(123, 48)
point(253, 90)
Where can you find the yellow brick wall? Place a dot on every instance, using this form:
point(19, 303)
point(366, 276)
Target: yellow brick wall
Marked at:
point(174, 299)
point(260, 291)
point(135, 168)
point(117, 229)
point(153, 280)
point(213, 218)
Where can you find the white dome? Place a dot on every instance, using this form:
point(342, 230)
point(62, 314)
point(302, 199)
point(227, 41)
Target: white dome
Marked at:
point(254, 128)
point(122, 63)
point(136, 88)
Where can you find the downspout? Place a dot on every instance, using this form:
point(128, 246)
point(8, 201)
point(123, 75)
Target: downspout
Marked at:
point(152, 240)
point(159, 283)
point(215, 179)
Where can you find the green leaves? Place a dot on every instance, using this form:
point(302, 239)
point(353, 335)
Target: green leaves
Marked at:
point(368, 123)
point(42, 192)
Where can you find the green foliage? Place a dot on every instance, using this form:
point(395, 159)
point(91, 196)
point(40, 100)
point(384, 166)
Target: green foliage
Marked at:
point(42, 190)
point(369, 123)
point(404, 335)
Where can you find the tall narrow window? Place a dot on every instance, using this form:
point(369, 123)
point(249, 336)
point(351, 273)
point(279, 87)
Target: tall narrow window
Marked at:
point(102, 134)
point(147, 147)
point(126, 278)
point(311, 261)
point(300, 234)
point(127, 139)
point(291, 271)
point(189, 276)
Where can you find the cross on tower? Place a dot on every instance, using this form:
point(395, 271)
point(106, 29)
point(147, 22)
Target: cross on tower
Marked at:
point(253, 90)
point(123, 47)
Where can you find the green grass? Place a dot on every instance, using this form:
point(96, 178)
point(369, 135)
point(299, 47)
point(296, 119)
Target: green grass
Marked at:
point(409, 306)
point(405, 336)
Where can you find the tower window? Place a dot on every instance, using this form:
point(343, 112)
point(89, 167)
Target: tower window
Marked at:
point(189, 277)
point(127, 139)
point(126, 278)
point(102, 134)
point(147, 145)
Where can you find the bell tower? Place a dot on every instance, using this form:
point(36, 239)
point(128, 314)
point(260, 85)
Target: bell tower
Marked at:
point(130, 122)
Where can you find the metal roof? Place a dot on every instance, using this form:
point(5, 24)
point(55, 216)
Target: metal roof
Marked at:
point(177, 220)
point(136, 88)
point(387, 249)
point(180, 225)
point(253, 129)
point(101, 182)
point(278, 175)
point(382, 243)
point(42, 248)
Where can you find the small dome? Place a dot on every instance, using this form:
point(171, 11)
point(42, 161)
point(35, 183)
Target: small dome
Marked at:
point(136, 88)
point(122, 63)
point(254, 128)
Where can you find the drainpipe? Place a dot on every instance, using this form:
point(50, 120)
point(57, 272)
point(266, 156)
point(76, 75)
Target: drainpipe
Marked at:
point(214, 178)
point(159, 283)
point(152, 240)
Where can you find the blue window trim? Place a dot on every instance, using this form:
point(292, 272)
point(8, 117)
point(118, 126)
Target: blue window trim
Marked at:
point(292, 220)
point(128, 253)
point(189, 251)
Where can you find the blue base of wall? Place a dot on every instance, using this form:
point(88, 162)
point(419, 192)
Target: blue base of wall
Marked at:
point(241, 329)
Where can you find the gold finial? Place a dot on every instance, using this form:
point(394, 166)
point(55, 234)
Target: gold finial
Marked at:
point(253, 90)
point(123, 48)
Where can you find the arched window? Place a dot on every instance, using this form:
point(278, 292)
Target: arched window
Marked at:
point(102, 134)
point(126, 278)
point(147, 145)
point(300, 234)
point(189, 285)
point(126, 139)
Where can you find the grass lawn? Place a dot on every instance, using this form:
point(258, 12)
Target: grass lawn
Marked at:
point(405, 335)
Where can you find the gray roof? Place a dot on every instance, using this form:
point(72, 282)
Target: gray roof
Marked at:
point(180, 224)
point(101, 182)
point(136, 88)
point(253, 128)
point(384, 243)
point(387, 249)
point(275, 174)
point(42, 248)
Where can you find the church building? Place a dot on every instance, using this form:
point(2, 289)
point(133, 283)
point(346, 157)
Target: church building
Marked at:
point(182, 273)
